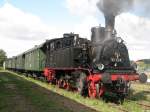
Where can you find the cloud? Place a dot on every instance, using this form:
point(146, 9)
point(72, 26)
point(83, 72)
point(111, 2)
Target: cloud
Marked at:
point(84, 28)
point(21, 30)
point(88, 11)
point(82, 7)
point(17, 24)
point(135, 31)
point(141, 7)
point(14, 47)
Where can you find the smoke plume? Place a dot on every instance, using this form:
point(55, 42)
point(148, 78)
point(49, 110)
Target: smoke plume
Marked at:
point(114, 7)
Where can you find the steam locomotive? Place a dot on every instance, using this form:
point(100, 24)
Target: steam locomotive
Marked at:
point(99, 67)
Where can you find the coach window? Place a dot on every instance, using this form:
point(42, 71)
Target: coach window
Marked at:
point(58, 45)
point(52, 46)
point(68, 42)
point(47, 46)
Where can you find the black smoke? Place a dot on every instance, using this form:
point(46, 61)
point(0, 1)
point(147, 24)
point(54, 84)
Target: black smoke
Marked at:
point(114, 7)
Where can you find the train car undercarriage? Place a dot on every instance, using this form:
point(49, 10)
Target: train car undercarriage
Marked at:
point(108, 86)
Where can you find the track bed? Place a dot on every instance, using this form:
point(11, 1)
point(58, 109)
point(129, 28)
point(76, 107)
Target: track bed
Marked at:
point(19, 95)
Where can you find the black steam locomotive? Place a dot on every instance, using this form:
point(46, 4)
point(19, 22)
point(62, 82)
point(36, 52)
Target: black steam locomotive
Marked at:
point(97, 68)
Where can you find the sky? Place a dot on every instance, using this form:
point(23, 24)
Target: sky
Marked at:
point(26, 23)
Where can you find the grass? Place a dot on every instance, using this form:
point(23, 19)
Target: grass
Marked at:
point(140, 92)
point(22, 96)
point(99, 105)
point(132, 107)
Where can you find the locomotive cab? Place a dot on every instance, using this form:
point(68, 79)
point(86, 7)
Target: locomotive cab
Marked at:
point(66, 52)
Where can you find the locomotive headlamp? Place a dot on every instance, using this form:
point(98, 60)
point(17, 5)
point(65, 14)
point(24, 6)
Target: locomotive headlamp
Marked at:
point(100, 66)
point(119, 40)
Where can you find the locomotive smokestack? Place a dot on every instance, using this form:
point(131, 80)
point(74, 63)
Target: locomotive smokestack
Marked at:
point(109, 25)
point(109, 22)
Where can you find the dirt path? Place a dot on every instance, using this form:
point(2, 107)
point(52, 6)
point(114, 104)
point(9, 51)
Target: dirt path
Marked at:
point(19, 95)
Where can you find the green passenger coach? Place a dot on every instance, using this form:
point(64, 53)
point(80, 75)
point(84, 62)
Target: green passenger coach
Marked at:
point(13, 61)
point(20, 62)
point(35, 59)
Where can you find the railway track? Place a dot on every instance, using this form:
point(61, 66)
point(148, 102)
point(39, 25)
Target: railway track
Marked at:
point(145, 106)
point(142, 104)
point(120, 109)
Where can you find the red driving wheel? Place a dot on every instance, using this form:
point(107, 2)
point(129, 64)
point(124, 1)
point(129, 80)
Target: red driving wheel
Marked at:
point(59, 83)
point(92, 90)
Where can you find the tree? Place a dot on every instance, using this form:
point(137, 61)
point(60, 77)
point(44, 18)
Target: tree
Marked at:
point(2, 56)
